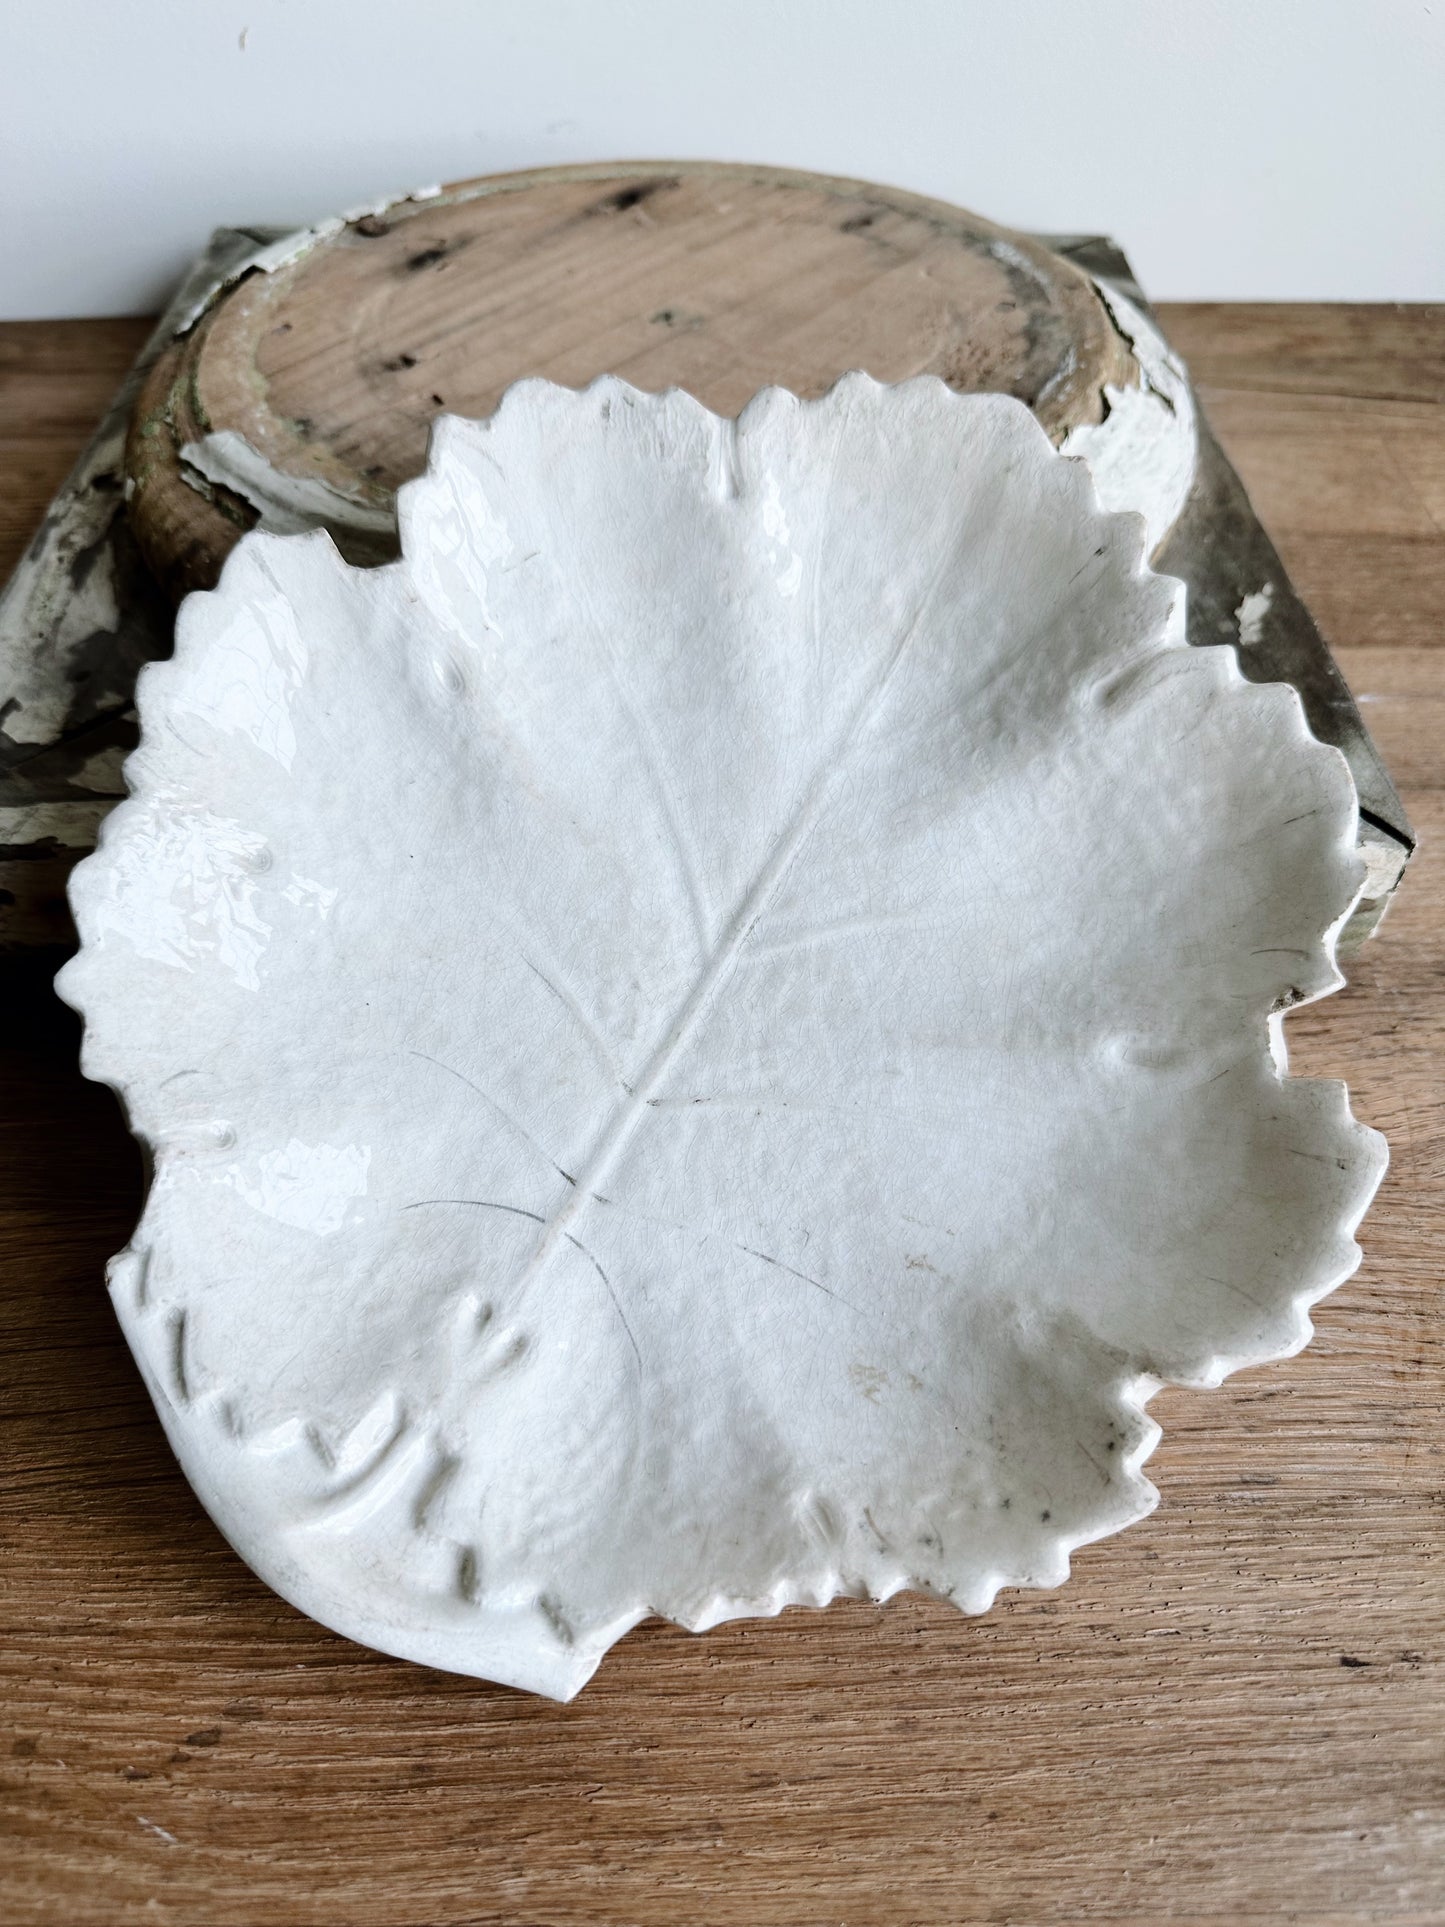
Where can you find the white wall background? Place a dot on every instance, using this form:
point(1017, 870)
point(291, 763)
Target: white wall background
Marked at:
point(1238, 148)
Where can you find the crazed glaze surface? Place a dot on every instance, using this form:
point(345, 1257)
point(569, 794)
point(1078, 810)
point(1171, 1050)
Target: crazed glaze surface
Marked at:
point(707, 1036)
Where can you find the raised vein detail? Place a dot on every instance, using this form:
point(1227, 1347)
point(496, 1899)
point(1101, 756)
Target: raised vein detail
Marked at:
point(827, 775)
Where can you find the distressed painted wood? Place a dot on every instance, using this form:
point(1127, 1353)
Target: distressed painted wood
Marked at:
point(1232, 1714)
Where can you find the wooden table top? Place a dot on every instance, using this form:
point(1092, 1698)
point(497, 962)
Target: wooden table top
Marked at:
point(1234, 1712)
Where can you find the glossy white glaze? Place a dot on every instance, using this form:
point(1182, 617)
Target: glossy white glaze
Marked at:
point(708, 1036)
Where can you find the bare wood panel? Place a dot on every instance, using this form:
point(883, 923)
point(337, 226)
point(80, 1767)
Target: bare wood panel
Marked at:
point(1233, 1713)
point(56, 378)
point(1343, 457)
point(1402, 695)
point(1350, 349)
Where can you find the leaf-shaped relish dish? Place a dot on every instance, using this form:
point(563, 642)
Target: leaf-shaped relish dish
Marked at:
point(710, 1035)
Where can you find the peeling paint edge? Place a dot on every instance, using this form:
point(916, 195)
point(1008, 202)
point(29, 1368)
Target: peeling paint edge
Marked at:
point(285, 504)
point(279, 247)
point(46, 615)
point(1144, 453)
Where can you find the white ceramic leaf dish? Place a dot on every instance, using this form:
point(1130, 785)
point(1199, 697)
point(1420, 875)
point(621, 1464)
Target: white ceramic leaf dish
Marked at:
point(709, 1036)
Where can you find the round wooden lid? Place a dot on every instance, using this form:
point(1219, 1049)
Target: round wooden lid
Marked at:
point(718, 279)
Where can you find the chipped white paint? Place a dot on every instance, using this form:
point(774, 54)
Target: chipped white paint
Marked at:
point(1251, 615)
point(64, 601)
point(789, 1066)
point(1143, 453)
point(285, 504)
point(1384, 860)
point(280, 250)
point(49, 614)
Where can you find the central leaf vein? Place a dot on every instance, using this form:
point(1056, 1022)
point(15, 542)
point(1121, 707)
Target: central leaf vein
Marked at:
point(827, 775)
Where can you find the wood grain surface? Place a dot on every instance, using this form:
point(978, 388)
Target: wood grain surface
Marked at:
point(718, 279)
point(1233, 1713)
